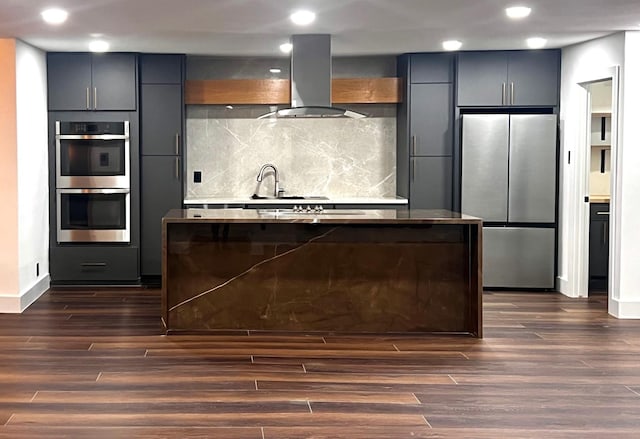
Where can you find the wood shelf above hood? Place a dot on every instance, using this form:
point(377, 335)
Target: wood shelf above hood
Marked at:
point(277, 91)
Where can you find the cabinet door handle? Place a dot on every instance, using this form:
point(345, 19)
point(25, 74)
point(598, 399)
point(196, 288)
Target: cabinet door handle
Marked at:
point(413, 170)
point(95, 98)
point(604, 233)
point(513, 94)
point(177, 143)
point(88, 103)
point(93, 264)
point(504, 93)
point(413, 145)
point(177, 168)
point(602, 213)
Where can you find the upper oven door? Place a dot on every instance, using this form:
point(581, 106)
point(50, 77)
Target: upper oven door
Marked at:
point(92, 160)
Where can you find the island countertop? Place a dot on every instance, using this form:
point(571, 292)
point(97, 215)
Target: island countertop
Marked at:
point(328, 216)
point(305, 201)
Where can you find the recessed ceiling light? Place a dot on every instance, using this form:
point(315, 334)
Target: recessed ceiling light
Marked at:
point(536, 42)
point(275, 70)
point(451, 45)
point(98, 46)
point(302, 17)
point(54, 15)
point(96, 35)
point(286, 47)
point(517, 12)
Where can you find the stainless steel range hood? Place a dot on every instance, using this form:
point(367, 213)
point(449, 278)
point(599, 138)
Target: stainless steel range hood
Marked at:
point(311, 80)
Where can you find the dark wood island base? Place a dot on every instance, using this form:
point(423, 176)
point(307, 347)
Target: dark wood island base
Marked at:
point(374, 271)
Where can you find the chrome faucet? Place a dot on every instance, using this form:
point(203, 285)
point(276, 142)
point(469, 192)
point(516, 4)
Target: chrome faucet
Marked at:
point(276, 188)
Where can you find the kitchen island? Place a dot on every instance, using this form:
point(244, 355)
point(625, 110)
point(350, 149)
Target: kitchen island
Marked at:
point(338, 271)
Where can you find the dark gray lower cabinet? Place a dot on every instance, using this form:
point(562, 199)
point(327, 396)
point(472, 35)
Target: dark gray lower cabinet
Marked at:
point(430, 183)
point(162, 191)
point(599, 246)
point(99, 264)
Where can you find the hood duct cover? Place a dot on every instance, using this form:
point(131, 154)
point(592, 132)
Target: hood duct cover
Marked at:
point(311, 80)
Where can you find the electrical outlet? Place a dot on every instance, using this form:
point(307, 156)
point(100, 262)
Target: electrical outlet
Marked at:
point(197, 176)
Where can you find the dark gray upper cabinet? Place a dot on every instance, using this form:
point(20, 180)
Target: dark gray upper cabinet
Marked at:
point(482, 78)
point(431, 183)
point(161, 69)
point(535, 78)
point(114, 81)
point(69, 81)
point(512, 78)
point(431, 120)
point(162, 191)
point(431, 67)
point(83, 81)
point(161, 119)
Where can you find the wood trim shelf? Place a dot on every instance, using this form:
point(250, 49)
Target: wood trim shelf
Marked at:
point(601, 114)
point(277, 91)
point(366, 90)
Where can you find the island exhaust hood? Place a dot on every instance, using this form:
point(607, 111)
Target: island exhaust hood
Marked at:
point(311, 80)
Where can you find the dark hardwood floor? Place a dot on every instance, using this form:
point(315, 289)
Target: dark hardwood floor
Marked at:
point(93, 364)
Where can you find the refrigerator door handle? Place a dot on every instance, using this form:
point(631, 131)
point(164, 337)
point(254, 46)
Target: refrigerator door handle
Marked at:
point(504, 93)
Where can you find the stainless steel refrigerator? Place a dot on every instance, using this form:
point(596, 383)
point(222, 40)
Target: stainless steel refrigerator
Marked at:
point(509, 180)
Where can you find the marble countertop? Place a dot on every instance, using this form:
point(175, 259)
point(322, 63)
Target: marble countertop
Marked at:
point(313, 201)
point(328, 216)
point(599, 198)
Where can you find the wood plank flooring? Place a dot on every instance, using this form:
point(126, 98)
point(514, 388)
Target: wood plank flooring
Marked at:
point(94, 363)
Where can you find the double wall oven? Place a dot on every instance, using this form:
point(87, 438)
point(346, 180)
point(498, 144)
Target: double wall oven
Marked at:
point(93, 182)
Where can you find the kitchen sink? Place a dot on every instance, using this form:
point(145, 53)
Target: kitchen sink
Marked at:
point(289, 197)
point(284, 213)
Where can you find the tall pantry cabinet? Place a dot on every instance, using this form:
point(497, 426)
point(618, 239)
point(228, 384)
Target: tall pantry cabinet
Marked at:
point(161, 147)
point(425, 131)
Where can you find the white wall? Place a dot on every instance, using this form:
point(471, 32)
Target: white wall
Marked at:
point(583, 62)
point(33, 186)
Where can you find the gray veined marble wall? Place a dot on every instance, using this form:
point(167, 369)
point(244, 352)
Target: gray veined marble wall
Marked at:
point(332, 157)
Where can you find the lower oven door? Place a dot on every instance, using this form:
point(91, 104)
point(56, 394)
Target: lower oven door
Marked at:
point(93, 215)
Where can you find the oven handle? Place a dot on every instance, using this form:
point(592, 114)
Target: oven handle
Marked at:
point(94, 191)
point(92, 136)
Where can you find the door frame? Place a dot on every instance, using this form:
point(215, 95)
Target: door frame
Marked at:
point(581, 246)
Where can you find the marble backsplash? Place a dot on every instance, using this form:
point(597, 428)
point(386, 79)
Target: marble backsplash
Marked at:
point(331, 157)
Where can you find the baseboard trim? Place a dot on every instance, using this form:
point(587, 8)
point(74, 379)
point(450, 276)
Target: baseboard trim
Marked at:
point(623, 309)
point(564, 287)
point(17, 304)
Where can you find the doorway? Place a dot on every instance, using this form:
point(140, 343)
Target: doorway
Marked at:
point(596, 258)
point(599, 184)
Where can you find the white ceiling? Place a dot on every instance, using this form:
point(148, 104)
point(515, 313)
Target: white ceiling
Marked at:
point(358, 27)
